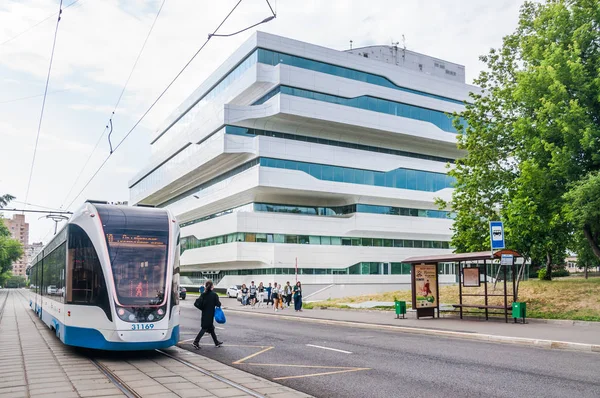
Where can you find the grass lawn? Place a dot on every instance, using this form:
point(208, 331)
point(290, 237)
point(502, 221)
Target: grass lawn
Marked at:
point(563, 298)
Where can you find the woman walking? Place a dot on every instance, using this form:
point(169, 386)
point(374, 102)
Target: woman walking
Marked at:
point(298, 296)
point(210, 300)
point(261, 294)
point(275, 295)
point(244, 295)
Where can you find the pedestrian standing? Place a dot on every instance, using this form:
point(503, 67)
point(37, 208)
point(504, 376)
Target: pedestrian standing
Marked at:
point(281, 291)
point(244, 295)
point(252, 294)
point(269, 289)
point(210, 300)
point(261, 294)
point(298, 296)
point(288, 294)
point(275, 296)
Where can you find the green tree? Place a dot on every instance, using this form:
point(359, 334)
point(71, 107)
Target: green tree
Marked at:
point(4, 199)
point(582, 207)
point(10, 249)
point(533, 132)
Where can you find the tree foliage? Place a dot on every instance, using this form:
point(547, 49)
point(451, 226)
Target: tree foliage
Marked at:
point(10, 249)
point(4, 199)
point(532, 133)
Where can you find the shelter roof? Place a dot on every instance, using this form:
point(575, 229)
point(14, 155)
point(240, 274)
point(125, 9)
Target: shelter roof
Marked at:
point(458, 257)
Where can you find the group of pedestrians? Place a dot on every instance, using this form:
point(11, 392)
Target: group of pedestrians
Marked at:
point(277, 295)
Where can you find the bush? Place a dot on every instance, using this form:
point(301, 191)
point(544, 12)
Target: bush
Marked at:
point(556, 273)
point(560, 272)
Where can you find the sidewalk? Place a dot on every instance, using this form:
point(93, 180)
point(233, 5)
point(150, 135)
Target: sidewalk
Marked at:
point(36, 364)
point(585, 334)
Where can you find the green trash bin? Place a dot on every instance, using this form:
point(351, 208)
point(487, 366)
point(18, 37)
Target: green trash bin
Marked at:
point(519, 310)
point(400, 308)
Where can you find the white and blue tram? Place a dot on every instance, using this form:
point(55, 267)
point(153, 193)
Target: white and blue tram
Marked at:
point(109, 280)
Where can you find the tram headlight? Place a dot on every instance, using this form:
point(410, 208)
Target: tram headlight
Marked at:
point(126, 314)
point(150, 317)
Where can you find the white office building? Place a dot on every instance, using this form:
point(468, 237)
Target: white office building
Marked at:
point(295, 158)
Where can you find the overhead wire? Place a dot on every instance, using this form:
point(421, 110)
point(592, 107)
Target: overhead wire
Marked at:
point(116, 105)
point(37, 24)
point(37, 138)
point(157, 99)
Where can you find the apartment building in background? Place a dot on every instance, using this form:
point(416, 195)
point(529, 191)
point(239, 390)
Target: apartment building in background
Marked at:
point(295, 159)
point(19, 230)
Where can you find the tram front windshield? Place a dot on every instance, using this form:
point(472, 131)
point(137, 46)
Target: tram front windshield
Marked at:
point(137, 248)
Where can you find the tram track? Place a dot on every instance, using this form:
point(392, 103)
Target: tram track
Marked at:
point(5, 294)
point(131, 391)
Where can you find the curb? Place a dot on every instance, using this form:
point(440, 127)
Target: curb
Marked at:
point(564, 322)
point(521, 341)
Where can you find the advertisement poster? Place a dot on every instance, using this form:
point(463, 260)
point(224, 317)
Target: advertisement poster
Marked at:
point(426, 285)
point(471, 277)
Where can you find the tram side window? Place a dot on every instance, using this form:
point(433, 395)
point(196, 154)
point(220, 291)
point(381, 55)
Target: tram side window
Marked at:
point(85, 276)
point(33, 278)
point(54, 274)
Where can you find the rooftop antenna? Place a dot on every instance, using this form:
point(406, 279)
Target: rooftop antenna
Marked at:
point(350, 44)
point(395, 50)
point(403, 48)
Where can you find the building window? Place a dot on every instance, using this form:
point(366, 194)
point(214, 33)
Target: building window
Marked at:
point(190, 242)
point(437, 118)
point(400, 178)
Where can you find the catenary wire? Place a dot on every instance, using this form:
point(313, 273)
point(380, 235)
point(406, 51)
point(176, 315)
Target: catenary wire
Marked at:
point(33, 26)
point(154, 103)
point(37, 138)
point(116, 105)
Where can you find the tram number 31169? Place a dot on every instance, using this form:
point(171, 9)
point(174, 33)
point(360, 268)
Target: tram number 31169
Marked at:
point(142, 326)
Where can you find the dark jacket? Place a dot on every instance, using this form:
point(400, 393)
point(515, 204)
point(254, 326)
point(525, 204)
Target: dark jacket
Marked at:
point(210, 300)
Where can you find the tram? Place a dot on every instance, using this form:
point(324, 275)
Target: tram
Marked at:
point(110, 279)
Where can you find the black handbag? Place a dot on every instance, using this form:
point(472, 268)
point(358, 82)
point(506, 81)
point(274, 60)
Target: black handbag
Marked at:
point(198, 303)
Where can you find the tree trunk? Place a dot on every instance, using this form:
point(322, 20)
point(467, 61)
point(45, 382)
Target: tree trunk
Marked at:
point(548, 276)
point(587, 232)
point(585, 268)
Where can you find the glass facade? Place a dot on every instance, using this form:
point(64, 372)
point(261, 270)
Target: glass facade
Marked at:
point(217, 179)
point(362, 268)
point(350, 209)
point(180, 120)
point(186, 113)
point(400, 178)
point(324, 141)
point(191, 242)
point(328, 211)
point(439, 119)
point(273, 58)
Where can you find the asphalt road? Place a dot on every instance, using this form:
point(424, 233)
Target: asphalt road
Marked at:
point(371, 363)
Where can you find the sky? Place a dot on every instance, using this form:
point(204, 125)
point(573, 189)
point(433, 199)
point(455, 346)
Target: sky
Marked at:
point(97, 45)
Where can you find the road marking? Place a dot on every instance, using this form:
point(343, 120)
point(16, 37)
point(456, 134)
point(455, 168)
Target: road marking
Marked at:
point(327, 348)
point(301, 366)
point(239, 361)
point(320, 374)
point(216, 327)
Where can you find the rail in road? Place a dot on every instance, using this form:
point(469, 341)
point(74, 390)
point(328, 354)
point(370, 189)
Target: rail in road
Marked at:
point(131, 391)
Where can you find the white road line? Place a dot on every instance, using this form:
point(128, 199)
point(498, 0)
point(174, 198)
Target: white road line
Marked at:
point(219, 328)
point(327, 348)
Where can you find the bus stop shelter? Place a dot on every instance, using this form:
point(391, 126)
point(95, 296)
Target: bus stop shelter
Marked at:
point(473, 271)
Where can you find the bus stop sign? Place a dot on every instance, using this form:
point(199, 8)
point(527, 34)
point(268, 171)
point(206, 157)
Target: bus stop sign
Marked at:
point(497, 235)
